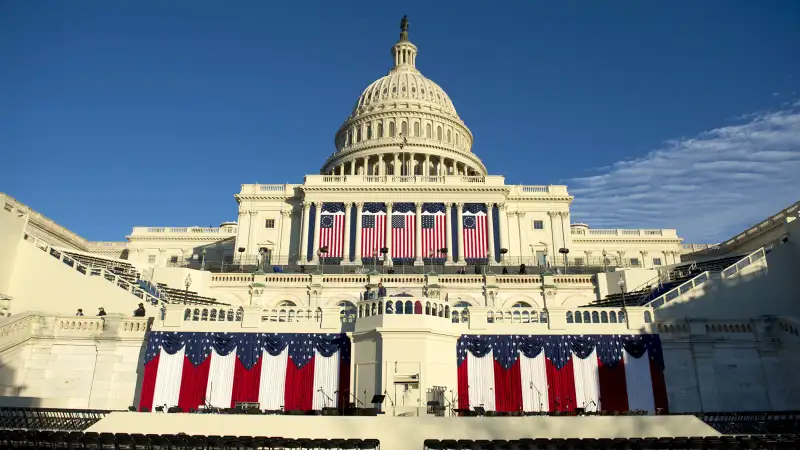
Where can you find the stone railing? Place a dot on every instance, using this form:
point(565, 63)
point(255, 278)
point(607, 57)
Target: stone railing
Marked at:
point(94, 245)
point(704, 277)
point(45, 224)
point(646, 233)
point(195, 231)
point(82, 269)
point(366, 180)
point(28, 325)
point(284, 319)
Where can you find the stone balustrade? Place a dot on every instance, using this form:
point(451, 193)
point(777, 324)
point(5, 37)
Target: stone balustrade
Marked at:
point(16, 329)
point(227, 230)
point(633, 233)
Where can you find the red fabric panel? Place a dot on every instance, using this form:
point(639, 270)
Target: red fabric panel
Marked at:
point(463, 385)
point(560, 387)
point(246, 382)
point(344, 384)
point(613, 388)
point(418, 307)
point(659, 389)
point(299, 393)
point(193, 384)
point(149, 384)
point(507, 387)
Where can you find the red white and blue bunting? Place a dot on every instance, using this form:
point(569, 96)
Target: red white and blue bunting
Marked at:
point(528, 373)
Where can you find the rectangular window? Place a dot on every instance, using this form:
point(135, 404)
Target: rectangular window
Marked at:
point(538, 225)
point(635, 262)
point(578, 261)
point(173, 259)
point(151, 259)
point(656, 261)
point(269, 223)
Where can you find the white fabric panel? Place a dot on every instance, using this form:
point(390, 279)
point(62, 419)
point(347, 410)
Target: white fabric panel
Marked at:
point(640, 385)
point(168, 379)
point(220, 379)
point(272, 385)
point(587, 382)
point(326, 377)
point(480, 375)
point(533, 373)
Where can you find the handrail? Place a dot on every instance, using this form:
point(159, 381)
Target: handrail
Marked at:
point(697, 281)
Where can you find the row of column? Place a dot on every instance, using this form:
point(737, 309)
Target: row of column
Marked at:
point(442, 166)
point(388, 238)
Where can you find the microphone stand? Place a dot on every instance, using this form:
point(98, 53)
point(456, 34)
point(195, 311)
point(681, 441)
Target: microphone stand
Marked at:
point(327, 398)
point(386, 393)
point(541, 406)
point(352, 394)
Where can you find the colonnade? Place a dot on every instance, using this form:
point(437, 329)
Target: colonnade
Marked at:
point(355, 257)
point(403, 163)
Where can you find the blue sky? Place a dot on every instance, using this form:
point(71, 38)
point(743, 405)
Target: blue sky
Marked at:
point(677, 114)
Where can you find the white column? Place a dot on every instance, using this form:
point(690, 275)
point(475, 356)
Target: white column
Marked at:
point(389, 233)
point(397, 170)
point(460, 236)
point(448, 212)
point(304, 233)
point(357, 256)
point(565, 230)
point(418, 235)
point(552, 253)
point(346, 250)
point(353, 166)
point(645, 264)
point(525, 250)
point(490, 222)
point(427, 168)
point(503, 227)
point(317, 217)
point(410, 170)
point(366, 165)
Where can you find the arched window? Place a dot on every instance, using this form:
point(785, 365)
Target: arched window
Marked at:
point(347, 311)
point(404, 128)
point(418, 307)
point(204, 315)
point(428, 131)
point(389, 308)
point(595, 317)
point(398, 307)
point(439, 133)
point(521, 305)
point(612, 316)
point(569, 316)
point(409, 308)
point(187, 314)
point(603, 317)
point(578, 317)
point(648, 318)
point(621, 317)
point(369, 131)
point(448, 136)
point(358, 134)
point(286, 303)
point(587, 318)
point(380, 130)
point(416, 129)
point(391, 129)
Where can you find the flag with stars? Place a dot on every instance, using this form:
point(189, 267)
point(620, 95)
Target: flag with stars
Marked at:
point(331, 229)
point(403, 229)
point(434, 223)
point(373, 230)
point(475, 239)
point(561, 373)
point(290, 371)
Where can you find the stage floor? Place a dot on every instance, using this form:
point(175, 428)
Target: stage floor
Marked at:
point(404, 433)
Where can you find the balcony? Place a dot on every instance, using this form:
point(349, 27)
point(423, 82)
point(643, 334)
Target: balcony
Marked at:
point(625, 233)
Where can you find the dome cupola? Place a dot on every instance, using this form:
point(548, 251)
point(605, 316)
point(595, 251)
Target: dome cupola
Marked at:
point(403, 124)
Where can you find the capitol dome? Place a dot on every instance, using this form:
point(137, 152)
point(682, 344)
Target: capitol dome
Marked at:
point(404, 124)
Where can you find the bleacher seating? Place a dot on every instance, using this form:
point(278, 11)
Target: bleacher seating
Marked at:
point(124, 269)
point(768, 422)
point(721, 442)
point(54, 419)
point(674, 278)
point(184, 297)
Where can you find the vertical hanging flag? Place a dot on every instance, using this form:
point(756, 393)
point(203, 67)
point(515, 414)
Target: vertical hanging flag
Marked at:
point(331, 229)
point(475, 240)
point(403, 227)
point(373, 229)
point(433, 230)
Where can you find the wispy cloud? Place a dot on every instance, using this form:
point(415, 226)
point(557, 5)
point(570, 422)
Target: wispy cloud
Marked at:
point(709, 186)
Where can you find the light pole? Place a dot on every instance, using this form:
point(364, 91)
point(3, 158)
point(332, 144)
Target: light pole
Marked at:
point(565, 252)
point(187, 282)
point(621, 284)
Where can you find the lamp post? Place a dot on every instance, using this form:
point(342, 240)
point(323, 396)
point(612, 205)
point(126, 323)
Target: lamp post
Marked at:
point(321, 256)
point(565, 252)
point(605, 261)
point(503, 252)
point(187, 282)
point(621, 284)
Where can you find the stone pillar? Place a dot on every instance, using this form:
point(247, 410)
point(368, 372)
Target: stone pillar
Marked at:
point(460, 236)
point(317, 218)
point(304, 233)
point(553, 235)
point(503, 227)
point(418, 236)
point(366, 165)
point(388, 240)
point(357, 256)
point(448, 212)
point(565, 230)
point(644, 264)
point(347, 218)
point(490, 222)
point(353, 166)
point(286, 232)
point(410, 170)
point(588, 257)
point(621, 259)
point(397, 169)
point(427, 168)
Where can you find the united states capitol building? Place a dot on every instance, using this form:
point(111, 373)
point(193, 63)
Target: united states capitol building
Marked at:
point(406, 246)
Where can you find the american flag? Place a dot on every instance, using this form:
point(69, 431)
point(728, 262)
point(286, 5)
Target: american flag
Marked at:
point(475, 239)
point(403, 227)
point(331, 232)
point(373, 229)
point(434, 223)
